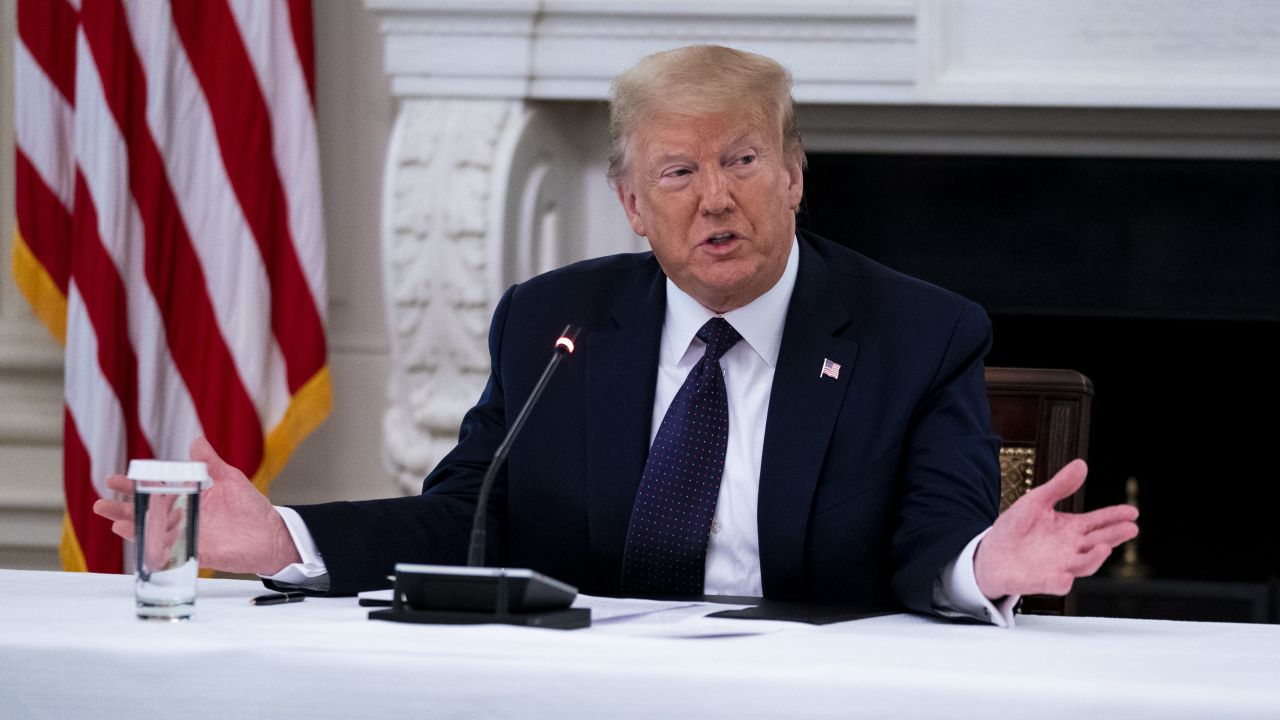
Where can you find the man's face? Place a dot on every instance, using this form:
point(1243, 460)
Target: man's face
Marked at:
point(716, 199)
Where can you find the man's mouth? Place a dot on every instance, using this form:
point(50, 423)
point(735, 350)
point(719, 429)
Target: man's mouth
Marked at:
point(721, 238)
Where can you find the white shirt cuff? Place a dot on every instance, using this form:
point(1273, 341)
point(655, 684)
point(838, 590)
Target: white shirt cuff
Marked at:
point(311, 573)
point(956, 593)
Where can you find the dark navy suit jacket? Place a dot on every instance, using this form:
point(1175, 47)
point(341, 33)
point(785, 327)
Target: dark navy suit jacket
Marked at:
point(869, 483)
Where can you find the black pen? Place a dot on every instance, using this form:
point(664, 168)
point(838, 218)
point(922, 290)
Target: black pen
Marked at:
point(291, 596)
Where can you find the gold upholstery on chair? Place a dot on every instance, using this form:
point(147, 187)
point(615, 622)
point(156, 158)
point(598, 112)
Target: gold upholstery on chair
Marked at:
point(1042, 417)
point(1017, 469)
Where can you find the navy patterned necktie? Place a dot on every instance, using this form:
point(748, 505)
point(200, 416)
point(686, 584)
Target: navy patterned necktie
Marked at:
point(671, 521)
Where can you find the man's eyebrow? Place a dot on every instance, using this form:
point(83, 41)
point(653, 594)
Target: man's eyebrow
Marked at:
point(671, 157)
point(750, 137)
point(747, 137)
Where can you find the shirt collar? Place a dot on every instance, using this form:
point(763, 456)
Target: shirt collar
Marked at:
point(760, 322)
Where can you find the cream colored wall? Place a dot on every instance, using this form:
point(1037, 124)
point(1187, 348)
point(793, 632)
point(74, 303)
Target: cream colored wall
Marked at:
point(343, 458)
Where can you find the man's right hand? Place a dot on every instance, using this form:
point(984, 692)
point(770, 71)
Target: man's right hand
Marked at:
point(240, 531)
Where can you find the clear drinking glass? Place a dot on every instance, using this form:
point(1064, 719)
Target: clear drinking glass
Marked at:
point(166, 508)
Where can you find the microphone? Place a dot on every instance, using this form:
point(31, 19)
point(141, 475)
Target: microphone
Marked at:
point(564, 347)
point(472, 594)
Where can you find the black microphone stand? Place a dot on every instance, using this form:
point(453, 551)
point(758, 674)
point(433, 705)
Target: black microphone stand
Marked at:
point(474, 594)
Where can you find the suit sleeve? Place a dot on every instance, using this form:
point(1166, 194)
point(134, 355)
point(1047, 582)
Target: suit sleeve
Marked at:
point(362, 541)
point(950, 488)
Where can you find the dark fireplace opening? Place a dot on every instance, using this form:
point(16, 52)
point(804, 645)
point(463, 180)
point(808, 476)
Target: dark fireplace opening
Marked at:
point(1157, 278)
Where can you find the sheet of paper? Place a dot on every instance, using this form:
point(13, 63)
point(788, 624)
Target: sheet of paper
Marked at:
point(652, 618)
point(630, 610)
point(377, 595)
point(668, 619)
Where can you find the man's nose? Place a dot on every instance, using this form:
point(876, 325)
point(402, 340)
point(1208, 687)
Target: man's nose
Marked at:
point(717, 197)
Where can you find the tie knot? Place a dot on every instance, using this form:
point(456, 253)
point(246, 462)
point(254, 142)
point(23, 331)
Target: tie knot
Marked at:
point(719, 336)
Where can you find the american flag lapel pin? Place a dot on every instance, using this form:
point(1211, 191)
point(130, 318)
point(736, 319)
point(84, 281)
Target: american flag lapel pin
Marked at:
point(830, 369)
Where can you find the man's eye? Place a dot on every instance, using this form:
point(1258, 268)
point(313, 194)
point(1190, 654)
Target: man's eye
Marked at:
point(677, 172)
point(746, 159)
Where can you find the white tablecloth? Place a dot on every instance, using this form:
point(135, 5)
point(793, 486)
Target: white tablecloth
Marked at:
point(70, 647)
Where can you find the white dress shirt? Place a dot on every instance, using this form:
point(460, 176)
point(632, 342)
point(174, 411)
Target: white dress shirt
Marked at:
point(733, 554)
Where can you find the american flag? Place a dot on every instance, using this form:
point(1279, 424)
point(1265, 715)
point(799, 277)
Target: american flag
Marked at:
point(830, 369)
point(170, 235)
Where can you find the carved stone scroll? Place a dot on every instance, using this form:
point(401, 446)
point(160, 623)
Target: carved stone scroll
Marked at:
point(437, 276)
point(476, 200)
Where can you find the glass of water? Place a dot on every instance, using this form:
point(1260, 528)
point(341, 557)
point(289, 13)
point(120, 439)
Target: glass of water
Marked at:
point(166, 508)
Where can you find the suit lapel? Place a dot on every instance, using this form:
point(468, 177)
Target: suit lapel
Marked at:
point(803, 407)
point(622, 362)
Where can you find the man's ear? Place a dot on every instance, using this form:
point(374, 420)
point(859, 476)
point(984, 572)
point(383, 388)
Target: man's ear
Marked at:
point(628, 200)
point(795, 181)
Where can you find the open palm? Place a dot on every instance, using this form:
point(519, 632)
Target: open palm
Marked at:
point(1033, 548)
point(240, 531)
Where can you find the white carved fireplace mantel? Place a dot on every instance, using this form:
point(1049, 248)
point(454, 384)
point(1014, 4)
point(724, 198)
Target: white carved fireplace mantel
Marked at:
point(495, 169)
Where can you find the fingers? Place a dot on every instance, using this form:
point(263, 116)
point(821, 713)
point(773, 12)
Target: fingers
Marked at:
point(1062, 485)
point(1058, 579)
point(121, 515)
point(114, 509)
point(173, 519)
point(1085, 564)
point(120, 484)
point(124, 528)
point(219, 469)
point(1104, 517)
point(1089, 562)
point(1098, 545)
point(202, 451)
point(1111, 535)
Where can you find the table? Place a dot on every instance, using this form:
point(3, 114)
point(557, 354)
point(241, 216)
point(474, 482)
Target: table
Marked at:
point(70, 648)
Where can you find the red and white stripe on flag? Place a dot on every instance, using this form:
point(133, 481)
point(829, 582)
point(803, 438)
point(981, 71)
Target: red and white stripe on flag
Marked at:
point(170, 234)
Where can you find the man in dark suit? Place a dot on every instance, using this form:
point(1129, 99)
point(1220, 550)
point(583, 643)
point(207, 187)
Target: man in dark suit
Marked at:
point(840, 491)
point(751, 411)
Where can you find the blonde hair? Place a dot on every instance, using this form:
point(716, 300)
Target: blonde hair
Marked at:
point(695, 80)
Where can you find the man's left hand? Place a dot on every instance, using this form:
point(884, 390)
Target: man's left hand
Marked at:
point(1033, 548)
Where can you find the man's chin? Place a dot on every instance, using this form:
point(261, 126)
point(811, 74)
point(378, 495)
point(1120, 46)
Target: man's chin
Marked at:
point(727, 286)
